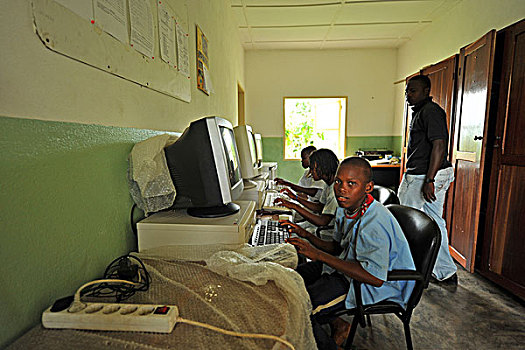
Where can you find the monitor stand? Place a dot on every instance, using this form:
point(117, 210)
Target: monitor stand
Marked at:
point(249, 184)
point(214, 212)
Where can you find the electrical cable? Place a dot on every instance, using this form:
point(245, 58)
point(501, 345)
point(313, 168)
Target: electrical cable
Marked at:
point(236, 334)
point(77, 293)
point(132, 222)
point(138, 279)
point(127, 268)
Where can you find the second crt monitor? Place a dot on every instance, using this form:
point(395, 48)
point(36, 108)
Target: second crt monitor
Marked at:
point(250, 165)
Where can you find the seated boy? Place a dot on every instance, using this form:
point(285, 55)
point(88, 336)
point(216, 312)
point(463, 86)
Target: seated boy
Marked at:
point(367, 243)
point(323, 164)
point(306, 182)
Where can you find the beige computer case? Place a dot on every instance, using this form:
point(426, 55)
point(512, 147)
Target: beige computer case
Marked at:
point(176, 227)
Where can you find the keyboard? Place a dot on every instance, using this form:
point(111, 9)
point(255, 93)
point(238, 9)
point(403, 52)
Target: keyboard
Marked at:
point(270, 198)
point(268, 232)
point(272, 186)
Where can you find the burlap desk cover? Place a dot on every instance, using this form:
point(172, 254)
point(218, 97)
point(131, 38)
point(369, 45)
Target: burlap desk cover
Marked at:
point(240, 288)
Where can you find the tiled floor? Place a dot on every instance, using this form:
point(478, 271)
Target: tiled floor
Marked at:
point(477, 315)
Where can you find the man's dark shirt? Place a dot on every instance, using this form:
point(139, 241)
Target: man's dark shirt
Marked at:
point(429, 123)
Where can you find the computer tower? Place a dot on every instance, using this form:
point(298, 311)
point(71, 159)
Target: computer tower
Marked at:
point(176, 227)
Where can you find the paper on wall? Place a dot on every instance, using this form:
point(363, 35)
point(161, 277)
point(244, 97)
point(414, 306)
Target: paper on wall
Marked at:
point(142, 34)
point(111, 16)
point(207, 78)
point(182, 51)
point(166, 34)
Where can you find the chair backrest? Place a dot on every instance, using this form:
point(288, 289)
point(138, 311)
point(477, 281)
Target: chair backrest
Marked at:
point(384, 195)
point(424, 237)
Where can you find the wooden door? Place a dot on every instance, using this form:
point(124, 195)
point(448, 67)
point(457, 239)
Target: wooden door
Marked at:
point(502, 258)
point(474, 87)
point(442, 76)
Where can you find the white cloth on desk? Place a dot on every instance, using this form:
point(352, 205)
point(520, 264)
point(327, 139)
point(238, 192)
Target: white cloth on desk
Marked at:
point(235, 288)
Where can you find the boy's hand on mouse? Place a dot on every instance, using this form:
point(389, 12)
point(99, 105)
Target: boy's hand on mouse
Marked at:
point(304, 248)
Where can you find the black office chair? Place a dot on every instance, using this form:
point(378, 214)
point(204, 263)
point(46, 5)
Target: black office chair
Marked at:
point(424, 237)
point(383, 195)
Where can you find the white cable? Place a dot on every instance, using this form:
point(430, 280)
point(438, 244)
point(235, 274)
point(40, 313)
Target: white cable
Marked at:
point(236, 334)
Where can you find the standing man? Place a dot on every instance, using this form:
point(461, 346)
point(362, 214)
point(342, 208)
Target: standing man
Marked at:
point(428, 172)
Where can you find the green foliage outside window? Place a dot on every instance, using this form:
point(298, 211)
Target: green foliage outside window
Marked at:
point(299, 131)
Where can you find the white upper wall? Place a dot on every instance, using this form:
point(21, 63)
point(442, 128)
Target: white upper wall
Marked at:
point(365, 76)
point(463, 24)
point(40, 84)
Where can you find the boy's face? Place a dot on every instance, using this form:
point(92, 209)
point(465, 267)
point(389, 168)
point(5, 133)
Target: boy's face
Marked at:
point(415, 92)
point(305, 159)
point(350, 186)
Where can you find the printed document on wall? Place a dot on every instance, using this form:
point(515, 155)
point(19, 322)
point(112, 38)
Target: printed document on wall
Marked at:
point(166, 34)
point(142, 35)
point(182, 51)
point(82, 8)
point(111, 16)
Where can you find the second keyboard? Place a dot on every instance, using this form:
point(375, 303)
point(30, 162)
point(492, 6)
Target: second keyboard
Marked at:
point(269, 232)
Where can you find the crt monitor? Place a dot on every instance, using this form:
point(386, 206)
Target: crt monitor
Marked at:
point(250, 167)
point(258, 148)
point(205, 169)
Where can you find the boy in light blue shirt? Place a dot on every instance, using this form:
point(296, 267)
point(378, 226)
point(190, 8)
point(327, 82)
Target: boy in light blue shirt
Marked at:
point(367, 243)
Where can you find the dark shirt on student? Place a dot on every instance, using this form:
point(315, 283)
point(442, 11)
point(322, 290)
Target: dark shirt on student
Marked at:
point(429, 123)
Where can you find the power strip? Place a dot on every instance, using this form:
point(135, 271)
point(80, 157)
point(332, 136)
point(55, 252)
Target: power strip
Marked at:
point(113, 317)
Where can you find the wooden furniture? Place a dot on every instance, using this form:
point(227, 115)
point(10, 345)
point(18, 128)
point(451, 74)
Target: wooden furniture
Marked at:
point(484, 97)
point(474, 86)
point(503, 241)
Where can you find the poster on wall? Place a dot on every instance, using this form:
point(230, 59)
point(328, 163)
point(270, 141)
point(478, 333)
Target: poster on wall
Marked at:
point(202, 62)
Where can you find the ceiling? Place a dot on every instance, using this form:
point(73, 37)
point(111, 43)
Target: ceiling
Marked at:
point(331, 24)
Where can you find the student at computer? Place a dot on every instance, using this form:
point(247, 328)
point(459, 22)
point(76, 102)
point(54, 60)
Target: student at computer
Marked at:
point(367, 243)
point(323, 164)
point(306, 181)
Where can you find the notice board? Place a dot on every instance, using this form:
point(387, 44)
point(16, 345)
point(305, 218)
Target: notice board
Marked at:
point(62, 30)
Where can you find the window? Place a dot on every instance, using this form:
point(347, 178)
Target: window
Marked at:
point(318, 121)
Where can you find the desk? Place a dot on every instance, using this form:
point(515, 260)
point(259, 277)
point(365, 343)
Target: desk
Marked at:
point(237, 290)
point(386, 175)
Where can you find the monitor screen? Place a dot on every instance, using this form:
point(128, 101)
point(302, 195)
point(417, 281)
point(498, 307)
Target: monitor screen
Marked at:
point(234, 170)
point(204, 167)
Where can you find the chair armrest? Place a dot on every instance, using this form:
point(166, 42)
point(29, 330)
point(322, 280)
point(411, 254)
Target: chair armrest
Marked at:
point(359, 312)
point(400, 275)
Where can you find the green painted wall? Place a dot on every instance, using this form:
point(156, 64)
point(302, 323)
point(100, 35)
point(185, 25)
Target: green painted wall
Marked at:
point(292, 170)
point(65, 211)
